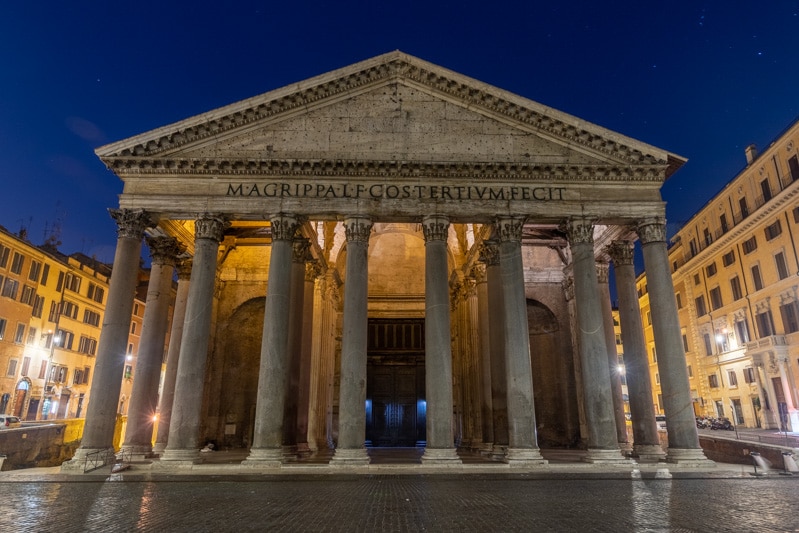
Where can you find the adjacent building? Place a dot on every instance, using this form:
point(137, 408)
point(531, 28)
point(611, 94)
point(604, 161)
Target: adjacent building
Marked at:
point(735, 270)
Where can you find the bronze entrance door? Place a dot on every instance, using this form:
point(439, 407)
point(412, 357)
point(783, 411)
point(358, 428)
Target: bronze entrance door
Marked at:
point(395, 410)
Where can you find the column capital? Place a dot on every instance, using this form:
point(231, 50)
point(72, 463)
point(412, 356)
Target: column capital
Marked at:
point(312, 270)
point(489, 252)
point(509, 228)
point(435, 228)
point(620, 252)
point(478, 272)
point(284, 227)
point(568, 288)
point(580, 230)
point(184, 268)
point(358, 229)
point(651, 230)
point(300, 248)
point(602, 271)
point(164, 250)
point(131, 223)
point(210, 226)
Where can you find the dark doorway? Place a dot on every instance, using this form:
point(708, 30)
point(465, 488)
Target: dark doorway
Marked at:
point(395, 410)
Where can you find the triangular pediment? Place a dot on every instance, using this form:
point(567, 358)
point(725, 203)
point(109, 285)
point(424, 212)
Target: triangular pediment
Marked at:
point(394, 109)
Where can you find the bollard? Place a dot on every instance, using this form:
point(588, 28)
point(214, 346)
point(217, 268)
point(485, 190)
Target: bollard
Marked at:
point(789, 463)
point(757, 460)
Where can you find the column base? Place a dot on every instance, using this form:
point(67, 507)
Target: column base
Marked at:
point(487, 449)
point(350, 457)
point(524, 457)
point(688, 457)
point(649, 453)
point(264, 458)
point(499, 451)
point(159, 448)
point(303, 450)
point(441, 457)
point(136, 452)
point(601, 456)
point(184, 455)
point(77, 465)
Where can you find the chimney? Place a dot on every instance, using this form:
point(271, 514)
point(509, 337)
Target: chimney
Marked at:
point(751, 153)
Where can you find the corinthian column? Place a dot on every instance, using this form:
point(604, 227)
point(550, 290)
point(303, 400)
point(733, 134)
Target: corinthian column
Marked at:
point(683, 439)
point(522, 438)
point(184, 427)
point(274, 370)
point(486, 404)
point(98, 433)
point(144, 397)
point(350, 450)
point(173, 353)
point(603, 445)
point(646, 443)
point(440, 448)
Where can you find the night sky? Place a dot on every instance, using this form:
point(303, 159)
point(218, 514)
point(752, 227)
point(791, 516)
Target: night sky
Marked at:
point(700, 79)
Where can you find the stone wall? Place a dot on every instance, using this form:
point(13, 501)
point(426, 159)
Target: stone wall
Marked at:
point(40, 445)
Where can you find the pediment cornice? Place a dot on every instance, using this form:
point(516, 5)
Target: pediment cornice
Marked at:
point(385, 169)
point(390, 68)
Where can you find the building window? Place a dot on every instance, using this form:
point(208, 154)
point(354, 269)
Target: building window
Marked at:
point(130, 348)
point(12, 368)
point(19, 335)
point(742, 331)
point(765, 188)
point(782, 266)
point(27, 295)
point(16, 263)
point(2, 328)
point(732, 378)
point(765, 323)
point(744, 208)
point(697, 279)
point(735, 285)
point(43, 370)
point(694, 248)
point(70, 310)
point(95, 293)
point(796, 214)
point(679, 300)
point(728, 258)
point(87, 345)
point(690, 371)
point(38, 306)
point(710, 270)
point(4, 251)
point(657, 378)
point(128, 372)
point(750, 245)
point(54, 312)
point(708, 344)
point(723, 223)
point(700, 306)
point(133, 328)
point(91, 318)
point(713, 380)
point(26, 365)
point(64, 339)
point(790, 318)
point(715, 298)
point(135, 309)
point(708, 237)
point(45, 273)
point(773, 231)
point(36, 268)
point(756, 278)
point(685, 342)
point(32, 332)
point(618, 339)
point(793, 167)
point(72, 282)
point(654, 355)
point(721, 341)
point(10, 288)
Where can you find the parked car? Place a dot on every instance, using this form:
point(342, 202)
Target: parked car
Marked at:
point(661, 422)
point(9, 421)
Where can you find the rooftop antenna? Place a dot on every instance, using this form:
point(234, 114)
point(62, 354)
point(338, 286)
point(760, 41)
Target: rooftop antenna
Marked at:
point(23, 228)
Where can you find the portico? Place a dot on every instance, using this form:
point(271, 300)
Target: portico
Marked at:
point(451, 232)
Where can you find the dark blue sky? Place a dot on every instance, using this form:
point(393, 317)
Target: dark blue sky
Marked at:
point(700, 79)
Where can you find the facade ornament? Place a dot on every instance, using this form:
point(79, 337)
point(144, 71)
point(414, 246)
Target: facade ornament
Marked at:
point(164, 250)
point(489, 252)
point(580, 230)
point(772, 364)
point(284, 227)
point(358, 229)
point(602, 271)
point(509, 228)
point(435, 228)
point(568, 288)
point(131, 223)
point(478, 273)
point(210, 226)
point(651, 230)
point(469, 287)
point(620, 252)
point(300, 248)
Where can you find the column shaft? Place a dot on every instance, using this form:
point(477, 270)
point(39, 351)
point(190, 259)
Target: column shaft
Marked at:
point(98, 432)
point(486, 404)
point(184, 426)
point(522, 432)
point(306, 369)
point(144, 397)
point(352, 389)
point(496, 329)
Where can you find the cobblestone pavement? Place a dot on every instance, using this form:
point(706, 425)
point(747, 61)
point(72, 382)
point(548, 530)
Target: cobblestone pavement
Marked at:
point(402, 503)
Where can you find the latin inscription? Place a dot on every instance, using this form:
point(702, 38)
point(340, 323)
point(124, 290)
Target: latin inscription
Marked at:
point(380, 191)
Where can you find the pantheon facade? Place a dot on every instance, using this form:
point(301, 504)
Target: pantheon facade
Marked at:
point(391, 254)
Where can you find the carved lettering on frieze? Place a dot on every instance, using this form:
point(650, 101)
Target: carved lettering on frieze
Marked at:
point(620, 252)
point(131, 223)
